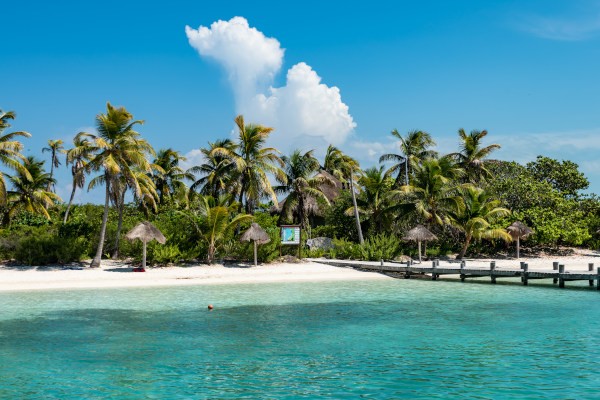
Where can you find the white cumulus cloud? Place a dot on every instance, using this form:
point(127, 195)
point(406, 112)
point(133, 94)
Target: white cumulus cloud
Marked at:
point(305, 112)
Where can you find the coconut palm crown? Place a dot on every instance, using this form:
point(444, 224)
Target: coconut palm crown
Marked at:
point(472, 155)
point(253, 162)
point(10, 152)
point(118, 151)
point(301, 184)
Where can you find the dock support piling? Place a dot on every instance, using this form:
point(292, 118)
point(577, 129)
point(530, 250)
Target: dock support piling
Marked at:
point(555, 268)
point(463, 264)
point(433, 274)
point(590, 269)
point(525, 273)
point(561, 279)
point(598, 280)
point(492, 269)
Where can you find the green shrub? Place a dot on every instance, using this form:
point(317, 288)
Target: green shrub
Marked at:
point(45, 249)
point(381, 247)
point(164, 254)
point(70, 249)
point(314, 253)
point(34, 250)
point(346, 250)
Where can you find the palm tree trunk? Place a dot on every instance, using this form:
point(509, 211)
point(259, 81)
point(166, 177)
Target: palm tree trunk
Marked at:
point(70, 202)
point(121, 205)
point(464, 249)
point(211, 253)
point(49, 186)
point(98, 257)
point(301, 216)
point(241, 197)
point(358, 228)
point(406, 171)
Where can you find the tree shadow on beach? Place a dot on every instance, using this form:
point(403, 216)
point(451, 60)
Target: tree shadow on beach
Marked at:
point(15, 266)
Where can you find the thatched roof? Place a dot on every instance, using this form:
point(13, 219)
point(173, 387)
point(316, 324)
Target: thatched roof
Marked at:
point(145, 231)
point(519, 230)
point(311, 206)
point(332, 186)
point(256, 233)
point(419, 234)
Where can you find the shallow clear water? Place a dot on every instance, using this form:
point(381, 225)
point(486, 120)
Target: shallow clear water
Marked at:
point(378, 339)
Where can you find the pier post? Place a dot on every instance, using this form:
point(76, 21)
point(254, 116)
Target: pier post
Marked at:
point(492, 269)
point(462, 270)
point(561, 279)
point(590, 269)
point(433, 274)
point(525, 273)
point(598, 280)
point(555, 268)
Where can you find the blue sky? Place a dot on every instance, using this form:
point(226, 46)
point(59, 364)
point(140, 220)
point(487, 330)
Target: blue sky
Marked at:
point(527, 71)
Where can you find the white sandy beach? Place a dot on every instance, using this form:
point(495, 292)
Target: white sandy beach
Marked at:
point(114, 274)
point(117, 274)
point(578, 261)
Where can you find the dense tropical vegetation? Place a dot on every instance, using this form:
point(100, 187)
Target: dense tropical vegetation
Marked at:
point(466, 198)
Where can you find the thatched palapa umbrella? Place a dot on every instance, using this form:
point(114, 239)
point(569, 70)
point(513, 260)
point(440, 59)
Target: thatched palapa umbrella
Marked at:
point(419, 234)
point(518, 231)
point(257, 235)
point(146, 232)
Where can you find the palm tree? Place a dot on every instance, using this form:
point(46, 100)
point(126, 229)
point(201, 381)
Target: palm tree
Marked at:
point(415, 147)
point(348, 169)
point(10, 152)
point(252, 163)
point(55, 147)
point(477, 213)
point(373, 202)
point(301, 184)
point(215, 219)
point(119, 151)
point(169, 179)
point(29, 191)
point(432, 194)
point(471, 156)
point(147, 197)
point(217, 172)
point(78, 156)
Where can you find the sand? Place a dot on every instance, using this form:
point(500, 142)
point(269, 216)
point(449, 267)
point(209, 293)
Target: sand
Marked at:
point(578, 261)
point(114, 274)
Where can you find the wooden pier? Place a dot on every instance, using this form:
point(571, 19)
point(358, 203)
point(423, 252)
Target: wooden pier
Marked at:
point(433, 271)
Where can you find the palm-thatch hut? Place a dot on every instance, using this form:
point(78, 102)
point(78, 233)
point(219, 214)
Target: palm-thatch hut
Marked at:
point(518, 230)
point(257, 235)
point(331, 186)
point(146, 232)
point(419, 234)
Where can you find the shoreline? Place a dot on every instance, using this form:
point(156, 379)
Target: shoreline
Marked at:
point(119, 275)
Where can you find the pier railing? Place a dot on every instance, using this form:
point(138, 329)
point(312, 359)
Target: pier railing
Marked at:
point(434, 270)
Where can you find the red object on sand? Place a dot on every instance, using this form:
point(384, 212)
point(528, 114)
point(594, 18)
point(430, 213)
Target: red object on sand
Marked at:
point(139, 270)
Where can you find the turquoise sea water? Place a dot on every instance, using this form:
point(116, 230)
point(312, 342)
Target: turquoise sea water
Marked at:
point(378, 339)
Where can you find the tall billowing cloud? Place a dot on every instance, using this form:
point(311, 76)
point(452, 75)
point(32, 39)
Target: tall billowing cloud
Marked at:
point(250, 58)
point(305, 108)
